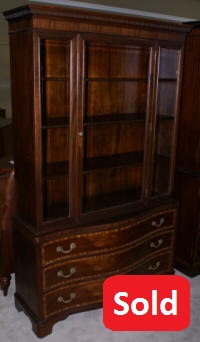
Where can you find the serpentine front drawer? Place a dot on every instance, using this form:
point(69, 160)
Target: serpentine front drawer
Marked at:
point(105, 238)
point(115, 262)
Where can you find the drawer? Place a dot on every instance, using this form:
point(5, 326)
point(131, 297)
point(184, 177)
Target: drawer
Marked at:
point(72, 297)
point(106, 237)
point(115, 262)
point(160, 264)
point(90, 293)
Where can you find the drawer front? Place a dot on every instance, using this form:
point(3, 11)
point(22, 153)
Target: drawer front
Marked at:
point(116, 262)
point(90, 293)
point(117, 235)
point(74, 296)
point(160, 264)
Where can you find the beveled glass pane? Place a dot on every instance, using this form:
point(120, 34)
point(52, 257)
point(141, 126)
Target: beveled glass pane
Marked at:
point(166, 103)
point(56, 58)
point(115, 139)
point(115, 97)
point(56, 143)
point(169, 64)
point(116, 88)
point(56, 100)
point(55, 192)
point(55, 70)
point(112, 186)
point(116, 60)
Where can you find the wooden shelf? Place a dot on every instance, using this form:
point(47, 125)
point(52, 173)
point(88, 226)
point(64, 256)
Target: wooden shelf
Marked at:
point(111, 199)
point(163, 79)
point(116, 161)
point(114, 118)
point(55, 79)
point(164, 117)
point(55, 122)
point(160, 157)
point(115, 79)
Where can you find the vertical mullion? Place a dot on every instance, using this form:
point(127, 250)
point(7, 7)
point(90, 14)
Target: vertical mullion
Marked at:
point(151, 122)
point(37, 125)
point(76, 126)
point(151, 130)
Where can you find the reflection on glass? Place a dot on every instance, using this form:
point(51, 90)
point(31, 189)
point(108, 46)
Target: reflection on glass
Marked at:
point(166, 109)
point(55, 65)
point(116, 84)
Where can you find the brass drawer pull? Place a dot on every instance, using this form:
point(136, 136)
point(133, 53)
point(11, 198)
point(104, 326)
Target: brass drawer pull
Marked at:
point(62, 275)
point(156, 244)
point(60, 249)
point(154, 224)
point(154, 267)
point(62, 300)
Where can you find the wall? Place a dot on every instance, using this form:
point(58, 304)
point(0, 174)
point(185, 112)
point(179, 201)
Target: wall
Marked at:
point(186, 9)
point(5, 101)
point(180, 8)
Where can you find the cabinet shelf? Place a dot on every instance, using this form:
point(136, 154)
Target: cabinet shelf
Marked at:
point(169, 79)
point(113, 118)
point(160, 157)
point(164, 117)
point(112, 199)
point(115, 79)
point(55, 122)
point(116, 161)
point(56, 79)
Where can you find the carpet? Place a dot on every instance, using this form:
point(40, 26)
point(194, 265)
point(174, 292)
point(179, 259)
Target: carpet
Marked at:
point(88, 326)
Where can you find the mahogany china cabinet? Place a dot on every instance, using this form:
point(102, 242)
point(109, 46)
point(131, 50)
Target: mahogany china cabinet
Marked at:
point(95, 109)
point(187, 185)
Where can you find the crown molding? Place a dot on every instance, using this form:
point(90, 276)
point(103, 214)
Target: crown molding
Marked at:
point(114, 9)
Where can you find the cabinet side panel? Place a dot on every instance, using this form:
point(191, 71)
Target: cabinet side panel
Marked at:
point(189, 153)
point(186, 191)
point(25, 268)
point(26, 137)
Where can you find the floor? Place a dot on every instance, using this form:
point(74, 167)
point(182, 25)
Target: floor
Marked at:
point(88, 326)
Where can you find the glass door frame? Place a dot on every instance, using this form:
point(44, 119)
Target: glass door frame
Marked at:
point(81, 67)
point(177, 47)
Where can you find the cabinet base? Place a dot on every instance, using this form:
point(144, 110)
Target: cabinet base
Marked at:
point(188, 269)
point(42, 328)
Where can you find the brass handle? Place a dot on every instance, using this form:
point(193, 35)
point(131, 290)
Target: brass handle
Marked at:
point(62, 300)
point(156, 244)
point(80, 134)
point(62, 275)
point(154, 267)
point(155, 224)
point(60, 249)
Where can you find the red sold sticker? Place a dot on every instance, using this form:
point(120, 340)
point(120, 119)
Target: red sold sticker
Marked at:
point(146, 303)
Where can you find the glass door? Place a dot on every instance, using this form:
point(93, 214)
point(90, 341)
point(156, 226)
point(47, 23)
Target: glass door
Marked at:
point(55, 66)
point(116, 85)
point(166, 119)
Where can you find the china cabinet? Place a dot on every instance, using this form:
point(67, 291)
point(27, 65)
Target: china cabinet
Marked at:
point(187, 185)
point(95, 108)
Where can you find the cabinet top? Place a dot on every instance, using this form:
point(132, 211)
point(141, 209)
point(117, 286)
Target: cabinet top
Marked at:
point(92, 16)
